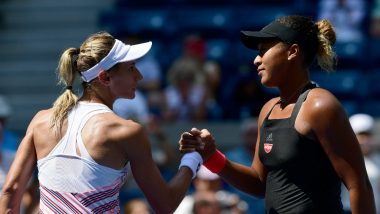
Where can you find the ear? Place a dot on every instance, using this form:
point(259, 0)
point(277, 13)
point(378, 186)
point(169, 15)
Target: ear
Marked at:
point(294, 51)
point(103, 77)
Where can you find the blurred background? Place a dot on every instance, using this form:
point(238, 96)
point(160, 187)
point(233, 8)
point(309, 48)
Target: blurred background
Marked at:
point(201, 35)
point(197, 74)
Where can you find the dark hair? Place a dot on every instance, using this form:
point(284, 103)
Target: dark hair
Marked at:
point(320, 37)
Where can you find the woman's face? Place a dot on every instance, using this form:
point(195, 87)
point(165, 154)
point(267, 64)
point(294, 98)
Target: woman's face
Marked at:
point(271, 62)
point(124, 79)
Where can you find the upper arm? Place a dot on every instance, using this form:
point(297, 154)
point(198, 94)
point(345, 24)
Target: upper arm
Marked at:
point(23, 164)
point(138, 150)
point(144, 169)
point(332, 129)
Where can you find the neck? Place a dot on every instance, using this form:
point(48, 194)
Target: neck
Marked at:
point(291, 94)
point(94, 95)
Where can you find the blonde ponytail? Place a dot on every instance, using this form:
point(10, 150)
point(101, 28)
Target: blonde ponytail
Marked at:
point(92, 51)
point(67, 100)
point(326, 56)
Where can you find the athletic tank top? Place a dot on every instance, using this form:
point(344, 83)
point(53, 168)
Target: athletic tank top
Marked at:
point(300, 176)
point(72, 183)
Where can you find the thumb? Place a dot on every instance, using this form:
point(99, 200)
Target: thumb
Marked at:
point(195, 131)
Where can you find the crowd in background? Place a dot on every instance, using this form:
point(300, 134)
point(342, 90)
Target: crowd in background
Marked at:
point(199, 62)
point(197, 83)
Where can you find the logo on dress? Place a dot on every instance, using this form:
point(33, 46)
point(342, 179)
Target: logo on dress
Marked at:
point(268, 146)
point(269, 138)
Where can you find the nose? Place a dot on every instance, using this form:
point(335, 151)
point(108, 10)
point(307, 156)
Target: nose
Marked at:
point(139, 76)
point(257, 60)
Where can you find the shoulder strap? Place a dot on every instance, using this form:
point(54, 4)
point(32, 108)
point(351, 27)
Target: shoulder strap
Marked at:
point(64, 145)
point(300, 101)
point(271, 109)
point(77, 117)
point(83, 151)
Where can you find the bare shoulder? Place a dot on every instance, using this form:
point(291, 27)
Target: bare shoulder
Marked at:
point(43, 114)
point(323, 110)
point(116, 128)
point(118, 134)
point(321, 101)
point(41, 119)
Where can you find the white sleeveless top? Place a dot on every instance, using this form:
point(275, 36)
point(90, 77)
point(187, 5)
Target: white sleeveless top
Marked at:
point(72, 183)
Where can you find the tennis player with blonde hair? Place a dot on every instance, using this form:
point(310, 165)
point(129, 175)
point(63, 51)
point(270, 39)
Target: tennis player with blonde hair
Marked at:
point(81, 148)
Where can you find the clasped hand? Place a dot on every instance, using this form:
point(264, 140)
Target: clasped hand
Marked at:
point(201, 141)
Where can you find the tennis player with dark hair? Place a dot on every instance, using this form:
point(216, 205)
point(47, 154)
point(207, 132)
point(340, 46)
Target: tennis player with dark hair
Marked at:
point(81, 148)
point(306, 146)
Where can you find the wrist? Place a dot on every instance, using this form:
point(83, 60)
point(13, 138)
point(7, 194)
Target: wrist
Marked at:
point(216, 162)
point(192, 160)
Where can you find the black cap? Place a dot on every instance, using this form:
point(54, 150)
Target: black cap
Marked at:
point(274, 30)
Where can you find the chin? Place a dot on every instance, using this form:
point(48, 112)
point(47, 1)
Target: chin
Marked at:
point(269, 85)
point(265, 82)
point(128, 96)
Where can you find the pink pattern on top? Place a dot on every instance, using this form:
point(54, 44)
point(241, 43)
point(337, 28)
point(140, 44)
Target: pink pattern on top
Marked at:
point(102, 200)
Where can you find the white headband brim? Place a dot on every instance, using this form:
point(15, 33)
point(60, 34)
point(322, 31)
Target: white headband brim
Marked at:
point(120, 52)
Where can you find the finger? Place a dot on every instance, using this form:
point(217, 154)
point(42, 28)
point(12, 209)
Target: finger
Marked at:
point(187, 151)
point(184, 149)
point(195, 131)
point(190, 142)
point(200, 142)
point(187, 135)
point(189, 138)
point(201, 145)
point(205, 132)
point(207, 136)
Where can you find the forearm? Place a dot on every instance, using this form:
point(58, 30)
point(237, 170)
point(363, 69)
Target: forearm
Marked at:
point(362, 200)
point(165, 197)
point(179, 186)
point(243, 178)
point(10, 201)
point(18, 177)
point(13, 192)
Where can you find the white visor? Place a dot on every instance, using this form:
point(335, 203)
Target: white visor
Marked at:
point(120, 52)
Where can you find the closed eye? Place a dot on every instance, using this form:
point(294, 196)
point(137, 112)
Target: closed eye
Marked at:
point(262, 51)
point(131, 66)
point(266, 45)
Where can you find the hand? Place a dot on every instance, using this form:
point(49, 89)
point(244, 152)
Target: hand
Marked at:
point(209, 146)
point(201, 141)
point(190, 143)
